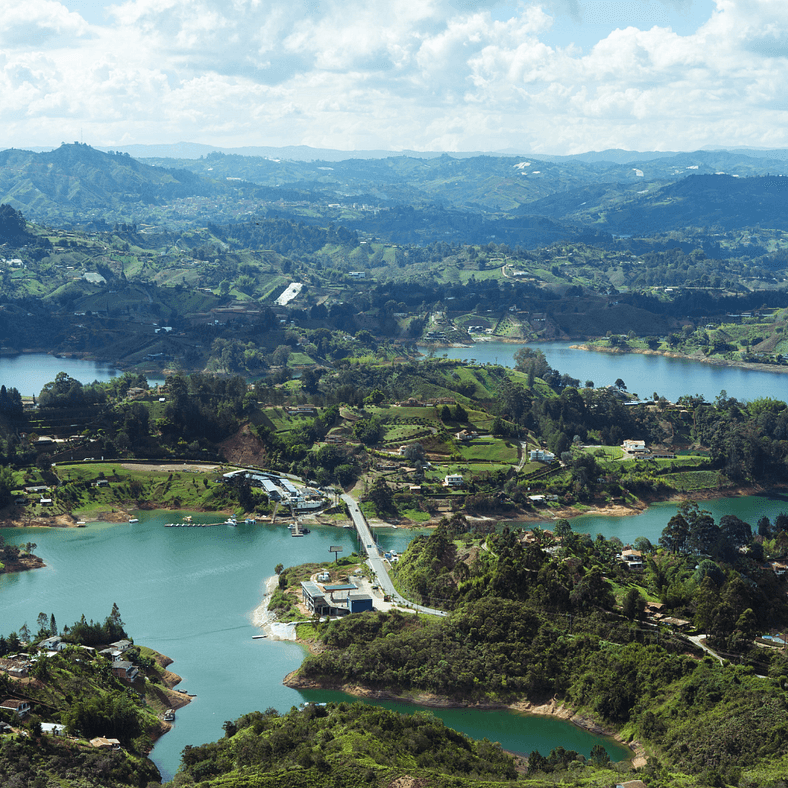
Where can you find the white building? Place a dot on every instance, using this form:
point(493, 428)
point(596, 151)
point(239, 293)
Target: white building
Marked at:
point(541, 455)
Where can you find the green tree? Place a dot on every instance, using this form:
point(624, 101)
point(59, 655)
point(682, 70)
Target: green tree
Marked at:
point(6, 485)
point(382, 496)
point(527, 359)
point(369, 430)
point(633, 604)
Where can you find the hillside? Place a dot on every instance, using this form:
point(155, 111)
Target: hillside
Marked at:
point(343, 746)
point(76, 183)
point(539, 616)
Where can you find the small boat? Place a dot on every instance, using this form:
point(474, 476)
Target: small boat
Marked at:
point(259, 637)
point(231, 521)
point(169, 715)
point(250, 521)
point(133, 520)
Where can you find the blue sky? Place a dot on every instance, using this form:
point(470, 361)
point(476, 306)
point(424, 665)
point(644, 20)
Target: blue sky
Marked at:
point(557, 76)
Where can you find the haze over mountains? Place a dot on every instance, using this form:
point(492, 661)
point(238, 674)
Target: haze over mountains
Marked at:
point(408, 198)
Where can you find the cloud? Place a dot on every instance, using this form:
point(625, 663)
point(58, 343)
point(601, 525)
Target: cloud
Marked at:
point(37, 22)
point(451, 74)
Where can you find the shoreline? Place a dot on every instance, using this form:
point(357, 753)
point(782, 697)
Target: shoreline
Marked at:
point(263, 619)
point(551, 708)
point(715, 362)
point(119, 515)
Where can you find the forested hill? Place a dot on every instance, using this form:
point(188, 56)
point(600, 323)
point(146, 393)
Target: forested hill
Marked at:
point(344, 746)
point(77, 182)
point(718, 200)
point(539, 615)
point(515, 199)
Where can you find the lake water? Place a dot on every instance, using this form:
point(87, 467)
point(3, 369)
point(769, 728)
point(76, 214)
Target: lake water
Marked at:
point(30, 372)
point(190, 594)
point(669, 377)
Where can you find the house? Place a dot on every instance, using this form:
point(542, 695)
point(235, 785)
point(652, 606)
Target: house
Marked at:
point(466, 435)
point(314, 598)
point(45, 501)
point(15, 668)
point(302, 410)
point(53, 729)
point(634, 447)
point(453, 480)
point(357, 603)
point(54, 643)
point(334, 600)
point(541, 455)
point(125, 670)
point(778, 567)
point(676, 623)
point(632, 558)
point(103, 743)
point(21, 707)
point(121, 645)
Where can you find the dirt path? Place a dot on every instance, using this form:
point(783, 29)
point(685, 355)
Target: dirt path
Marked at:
point(169, 467)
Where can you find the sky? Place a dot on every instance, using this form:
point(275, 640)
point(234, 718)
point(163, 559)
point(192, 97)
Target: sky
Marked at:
point(557, 76)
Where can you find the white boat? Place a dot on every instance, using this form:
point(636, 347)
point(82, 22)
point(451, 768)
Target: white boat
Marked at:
point(133, 520)
point(231, 521)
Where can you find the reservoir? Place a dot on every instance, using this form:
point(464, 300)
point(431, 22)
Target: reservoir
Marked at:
point(190, 594)
point(669, 377)
point(30, 372)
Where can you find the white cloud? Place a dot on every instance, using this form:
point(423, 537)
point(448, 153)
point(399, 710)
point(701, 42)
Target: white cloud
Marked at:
point(450, 74)
point(36, 22)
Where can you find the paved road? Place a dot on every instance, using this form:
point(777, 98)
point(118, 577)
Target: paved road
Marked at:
point(696, 639)
point(377, 564)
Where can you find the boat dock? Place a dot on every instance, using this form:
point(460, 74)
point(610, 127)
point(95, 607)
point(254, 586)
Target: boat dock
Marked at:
point(188, 523)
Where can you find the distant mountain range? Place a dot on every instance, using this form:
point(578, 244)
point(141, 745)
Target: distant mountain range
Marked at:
point(196, 150)
point(414, 197)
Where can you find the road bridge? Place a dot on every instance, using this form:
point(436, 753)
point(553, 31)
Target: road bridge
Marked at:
point(377, 563)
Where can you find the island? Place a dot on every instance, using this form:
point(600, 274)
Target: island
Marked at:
point(14, 558)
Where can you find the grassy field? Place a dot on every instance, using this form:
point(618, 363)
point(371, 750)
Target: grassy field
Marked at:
point(132, 487)
point(490, 449)
point(693, 481)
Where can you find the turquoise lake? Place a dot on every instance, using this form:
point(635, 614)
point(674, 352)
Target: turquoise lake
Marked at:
point(669, 377)
point(190, 593)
